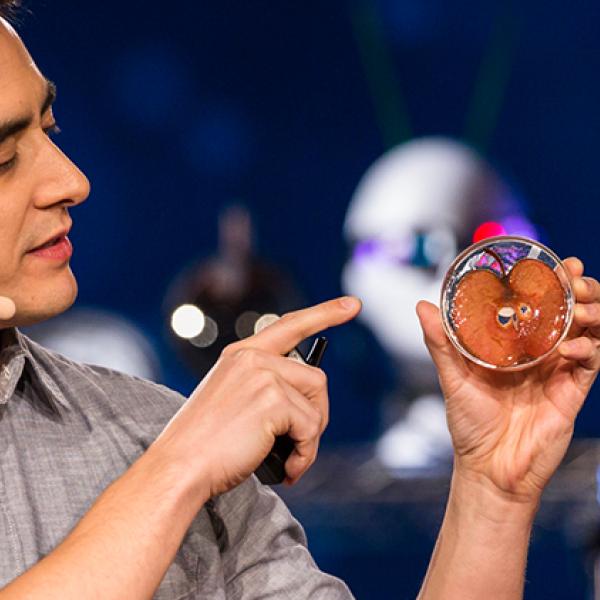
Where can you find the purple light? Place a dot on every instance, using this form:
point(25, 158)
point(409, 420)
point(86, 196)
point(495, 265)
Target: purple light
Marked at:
point(397, 250)
point(366, 248)
point(519, 225)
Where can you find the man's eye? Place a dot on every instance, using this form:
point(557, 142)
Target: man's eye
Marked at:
point(7, 165)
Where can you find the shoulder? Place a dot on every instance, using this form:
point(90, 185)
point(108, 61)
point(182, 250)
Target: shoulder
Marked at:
point(91, 386)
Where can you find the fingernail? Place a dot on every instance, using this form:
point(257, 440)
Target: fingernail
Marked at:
point(569, 346)
point(349, 302)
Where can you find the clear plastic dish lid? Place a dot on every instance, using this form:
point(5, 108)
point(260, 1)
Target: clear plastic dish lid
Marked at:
point(507, 302)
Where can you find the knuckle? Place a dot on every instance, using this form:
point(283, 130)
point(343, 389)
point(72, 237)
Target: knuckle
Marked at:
point(591, 315)
point(592, 285)
point(314, 426)
point(270, 397)
point(246, 356)
point(321, 378)
point(231, 349)
point(313, 457)
point(589, 346)
point(586, 313)
point(288, 318)
point(315, 414)
point(593, 309)
point(308, 460)
point(264, 378)
point(585, 348)
point(238, 356)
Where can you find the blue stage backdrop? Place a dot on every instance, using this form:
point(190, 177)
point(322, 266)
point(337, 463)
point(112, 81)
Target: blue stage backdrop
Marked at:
point(177, 110)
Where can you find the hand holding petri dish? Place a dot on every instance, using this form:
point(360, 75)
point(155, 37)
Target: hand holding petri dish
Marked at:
point(507, 303)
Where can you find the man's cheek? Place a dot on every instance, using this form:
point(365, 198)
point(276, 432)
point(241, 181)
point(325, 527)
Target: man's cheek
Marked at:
point(9, 256)
point(18, 279)
point(10, 270)
point(7, 274)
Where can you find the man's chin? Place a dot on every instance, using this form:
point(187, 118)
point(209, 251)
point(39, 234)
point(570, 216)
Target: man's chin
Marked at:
point(45, 303)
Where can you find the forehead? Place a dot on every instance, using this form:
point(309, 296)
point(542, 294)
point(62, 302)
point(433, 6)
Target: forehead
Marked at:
point(21, 83)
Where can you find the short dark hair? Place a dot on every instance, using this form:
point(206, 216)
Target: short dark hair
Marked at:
point(8, 7)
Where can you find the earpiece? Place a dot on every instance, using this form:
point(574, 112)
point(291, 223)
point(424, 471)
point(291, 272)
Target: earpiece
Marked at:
point(7, 308)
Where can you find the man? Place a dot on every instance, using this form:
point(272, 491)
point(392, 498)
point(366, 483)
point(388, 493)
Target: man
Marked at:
point(113, 487)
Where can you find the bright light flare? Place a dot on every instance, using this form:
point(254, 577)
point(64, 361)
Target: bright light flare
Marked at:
point(188, 321)
point(487, 230)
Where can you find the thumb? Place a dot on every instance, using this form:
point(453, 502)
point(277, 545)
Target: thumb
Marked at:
point(7, 308)
point(448, 361)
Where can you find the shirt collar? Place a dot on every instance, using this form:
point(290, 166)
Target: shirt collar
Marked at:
point(19, 359)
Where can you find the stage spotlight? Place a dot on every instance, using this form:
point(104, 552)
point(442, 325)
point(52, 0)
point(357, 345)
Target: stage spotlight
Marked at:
point(187, 321)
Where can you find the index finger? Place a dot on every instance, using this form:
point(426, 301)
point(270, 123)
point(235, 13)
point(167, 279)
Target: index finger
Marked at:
point(294, 327)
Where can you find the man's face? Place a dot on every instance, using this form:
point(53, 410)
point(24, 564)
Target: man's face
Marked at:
point(37, 185)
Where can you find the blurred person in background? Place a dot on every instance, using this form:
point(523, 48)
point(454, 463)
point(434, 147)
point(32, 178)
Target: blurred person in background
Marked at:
point(230, 290)
point(115, 487)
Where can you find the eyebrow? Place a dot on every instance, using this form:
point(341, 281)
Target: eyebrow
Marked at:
point(14, 126)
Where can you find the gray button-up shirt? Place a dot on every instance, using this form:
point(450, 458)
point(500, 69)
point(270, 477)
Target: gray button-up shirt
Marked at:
point(67, 430)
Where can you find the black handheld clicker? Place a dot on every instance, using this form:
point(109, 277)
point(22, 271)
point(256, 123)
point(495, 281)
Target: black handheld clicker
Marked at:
point(272, 470)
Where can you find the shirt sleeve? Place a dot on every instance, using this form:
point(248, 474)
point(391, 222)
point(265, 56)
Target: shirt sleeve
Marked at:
point(264, 551)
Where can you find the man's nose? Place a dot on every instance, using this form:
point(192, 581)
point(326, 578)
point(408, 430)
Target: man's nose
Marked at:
point(59, 181)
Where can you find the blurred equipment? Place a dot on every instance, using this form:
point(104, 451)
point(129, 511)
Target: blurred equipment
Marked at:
point(98, 337)
point(413, 210)
point(355, 503)
point(218, 300)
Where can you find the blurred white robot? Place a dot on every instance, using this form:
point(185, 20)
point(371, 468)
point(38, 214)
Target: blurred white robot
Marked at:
point(99, 337)
point(413, 210)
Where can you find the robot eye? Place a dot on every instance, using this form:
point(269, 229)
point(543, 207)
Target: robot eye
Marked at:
point(524, 311)
point(505, 316)
point(432, 247)
point(418, 256)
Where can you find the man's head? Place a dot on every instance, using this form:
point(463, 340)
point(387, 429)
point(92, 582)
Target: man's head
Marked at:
point(38, 184)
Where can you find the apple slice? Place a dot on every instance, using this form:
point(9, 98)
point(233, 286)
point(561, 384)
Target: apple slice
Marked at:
point(511, 319)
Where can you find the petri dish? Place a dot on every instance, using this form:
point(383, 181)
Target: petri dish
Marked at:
point(507, 303)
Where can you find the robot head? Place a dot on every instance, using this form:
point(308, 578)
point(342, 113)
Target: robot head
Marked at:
point(413, 210)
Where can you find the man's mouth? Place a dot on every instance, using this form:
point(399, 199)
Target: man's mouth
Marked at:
point(49, 244)
point(54, 239)
point(56, 248)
